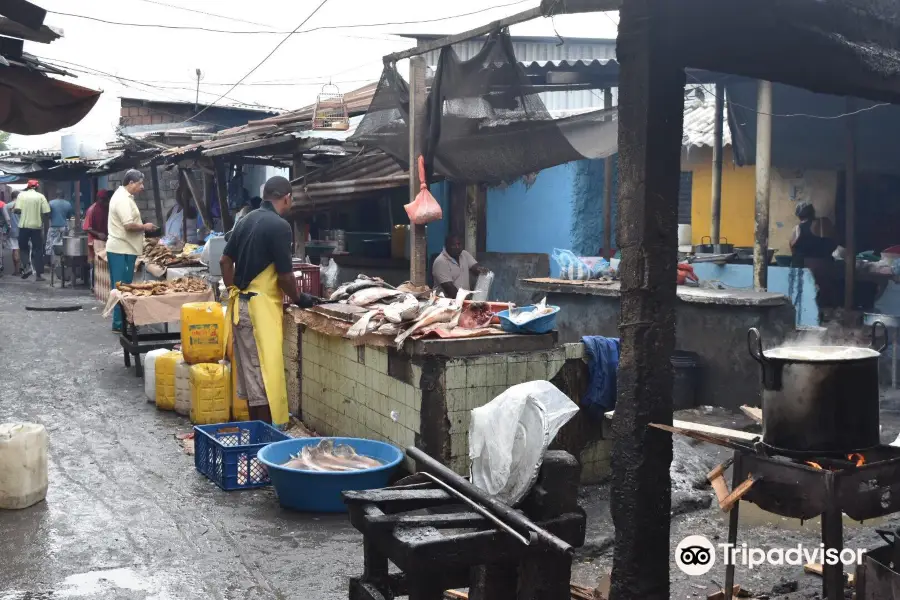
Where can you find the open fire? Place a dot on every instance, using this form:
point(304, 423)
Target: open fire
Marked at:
point(855, 459)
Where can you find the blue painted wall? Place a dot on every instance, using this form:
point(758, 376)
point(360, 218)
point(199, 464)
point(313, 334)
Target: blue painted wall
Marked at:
point(796, 284)
point(587, 207)
point(436, 233)
point(533, 219)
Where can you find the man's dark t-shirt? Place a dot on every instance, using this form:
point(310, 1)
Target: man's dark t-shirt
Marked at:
point(257, 241)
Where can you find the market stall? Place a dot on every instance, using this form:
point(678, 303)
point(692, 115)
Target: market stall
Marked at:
point(153, 303)
point(409, 367)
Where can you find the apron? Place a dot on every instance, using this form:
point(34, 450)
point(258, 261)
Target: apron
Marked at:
point(266, 314)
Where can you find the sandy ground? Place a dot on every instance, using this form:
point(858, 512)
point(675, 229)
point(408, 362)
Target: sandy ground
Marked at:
point(128, 517)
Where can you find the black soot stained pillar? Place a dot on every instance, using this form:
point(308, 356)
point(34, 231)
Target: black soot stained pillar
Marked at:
point(651, 105)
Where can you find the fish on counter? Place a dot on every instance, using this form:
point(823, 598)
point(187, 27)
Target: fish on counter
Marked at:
point(370, 295)
point(431, 316)
point(328, 456)
point(360, 283)
point(476, 315)
point(406, 309)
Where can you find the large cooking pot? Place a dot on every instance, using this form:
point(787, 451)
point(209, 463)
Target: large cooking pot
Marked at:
point(819, 400)
point(75, 245)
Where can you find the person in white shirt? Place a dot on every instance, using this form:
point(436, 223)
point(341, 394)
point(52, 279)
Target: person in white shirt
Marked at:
point(125, 241)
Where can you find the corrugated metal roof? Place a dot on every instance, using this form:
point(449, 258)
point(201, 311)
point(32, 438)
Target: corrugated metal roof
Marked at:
point(699, 120)
point(362, 175)
point(534, 49)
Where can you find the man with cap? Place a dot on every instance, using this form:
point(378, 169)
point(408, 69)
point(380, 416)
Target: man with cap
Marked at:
point(125, 234)
point(34, 221)
point(257, 268)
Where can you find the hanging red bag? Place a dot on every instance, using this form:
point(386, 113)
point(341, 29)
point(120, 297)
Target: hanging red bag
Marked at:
point(424, 209)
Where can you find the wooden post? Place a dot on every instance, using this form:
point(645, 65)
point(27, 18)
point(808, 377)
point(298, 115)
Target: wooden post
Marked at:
point(419, 256)
point(222, 193)
point(850, 214)
point(93, 193)
point(607, 190)
point(77, 207)
point(763, 168)
point(476, 196)
point(718, 134)
point(199, 200)
point(651, 107)
point(157, 198)
point(298, 169)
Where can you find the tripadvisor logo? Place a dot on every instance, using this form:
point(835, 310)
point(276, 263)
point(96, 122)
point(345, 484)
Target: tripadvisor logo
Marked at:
point(695, 555)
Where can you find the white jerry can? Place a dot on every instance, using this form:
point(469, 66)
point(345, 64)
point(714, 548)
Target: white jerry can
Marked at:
point(23, 464)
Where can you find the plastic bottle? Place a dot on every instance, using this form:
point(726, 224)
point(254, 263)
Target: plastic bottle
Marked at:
point(210, 393)
point(23, 464)
point(165, 380)
point(202, 332)
point(150, 373)
point(183, 388)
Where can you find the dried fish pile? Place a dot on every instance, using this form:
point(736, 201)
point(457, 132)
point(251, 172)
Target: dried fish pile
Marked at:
point(162, 255)
point(326, 456)
point(159, 288)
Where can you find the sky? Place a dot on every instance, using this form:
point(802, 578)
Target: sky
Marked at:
point(160, 64)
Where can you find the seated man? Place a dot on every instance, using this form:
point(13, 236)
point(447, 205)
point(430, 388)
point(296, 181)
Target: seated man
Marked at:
point(455, 269)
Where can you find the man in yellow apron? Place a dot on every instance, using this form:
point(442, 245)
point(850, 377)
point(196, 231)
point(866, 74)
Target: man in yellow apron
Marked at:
point(257, 270)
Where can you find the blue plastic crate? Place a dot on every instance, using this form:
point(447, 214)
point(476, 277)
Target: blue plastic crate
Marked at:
point(226, 453)
point(544, 324)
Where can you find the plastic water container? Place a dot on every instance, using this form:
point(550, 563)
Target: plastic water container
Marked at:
point(23, 464)
point(202, 332)
point(150, 373)
point(240, 410)
point(165, 379)
point(183, 388)
point(210, 393)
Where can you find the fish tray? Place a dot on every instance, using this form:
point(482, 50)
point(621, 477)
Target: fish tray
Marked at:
point(543, 324)
point(226, 453)
point(320, 491)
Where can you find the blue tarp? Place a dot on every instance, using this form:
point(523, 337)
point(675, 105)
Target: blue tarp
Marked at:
point(603, 366)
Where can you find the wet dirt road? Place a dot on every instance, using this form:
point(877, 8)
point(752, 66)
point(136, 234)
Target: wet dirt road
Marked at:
point(127, 516)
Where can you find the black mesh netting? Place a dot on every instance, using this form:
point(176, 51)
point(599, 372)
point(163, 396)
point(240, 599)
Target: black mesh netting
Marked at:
point(491, 126)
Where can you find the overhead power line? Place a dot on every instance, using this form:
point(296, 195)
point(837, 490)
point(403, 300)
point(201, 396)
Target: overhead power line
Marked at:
point(312, 29)
point(267, 57)
point(208, 14)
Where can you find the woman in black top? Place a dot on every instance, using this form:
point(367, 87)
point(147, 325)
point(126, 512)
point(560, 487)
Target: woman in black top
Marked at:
point(810, 239)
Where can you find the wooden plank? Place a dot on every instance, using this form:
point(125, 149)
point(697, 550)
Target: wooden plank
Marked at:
point(222, 193)
point(44, 35)
point(199, 201)
point(157, 198)
point(732, 434)
point(818, 569)
point(21, 11)
point(438, 521)
point(753, 412)
point(763, 169)
point(249, 145)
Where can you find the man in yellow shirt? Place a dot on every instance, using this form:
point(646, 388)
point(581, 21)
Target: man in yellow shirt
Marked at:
point(125, 238)
point(33, 211)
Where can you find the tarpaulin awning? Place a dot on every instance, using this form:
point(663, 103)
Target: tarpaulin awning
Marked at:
point(32, 104)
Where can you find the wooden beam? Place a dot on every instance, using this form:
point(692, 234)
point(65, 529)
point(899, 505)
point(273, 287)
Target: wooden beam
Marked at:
point(199, 201)
point(850, 214)
point(651, 111)
point(607, 189)
point(298, 170)
point(157, 198)
point(44, 35)
point(418, 266)
point(222, 192)
point(531, 13)
point(249, 145)
point(763, 168)
point(23, 12)
point(718, 135)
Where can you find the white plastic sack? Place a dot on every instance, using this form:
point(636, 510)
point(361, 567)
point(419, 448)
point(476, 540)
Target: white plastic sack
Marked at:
point(23, 464)
point(483, 286)
point(150, 373)
point(330, 275)
point(509, 435)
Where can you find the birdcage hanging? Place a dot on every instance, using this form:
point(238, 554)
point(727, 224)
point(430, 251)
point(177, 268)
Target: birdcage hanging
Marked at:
point(331, 110)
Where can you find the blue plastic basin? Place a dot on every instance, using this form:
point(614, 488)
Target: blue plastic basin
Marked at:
point(320, 491)
point(543, 324)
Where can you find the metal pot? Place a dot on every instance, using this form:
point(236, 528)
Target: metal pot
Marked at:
point(815, 404)
point(75, 245)
point(710, 248)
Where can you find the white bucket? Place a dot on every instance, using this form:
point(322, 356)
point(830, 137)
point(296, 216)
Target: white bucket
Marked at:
point(684, 235)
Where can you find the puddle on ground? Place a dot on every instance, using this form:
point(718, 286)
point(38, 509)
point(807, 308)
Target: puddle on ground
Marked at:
point(750, 515)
